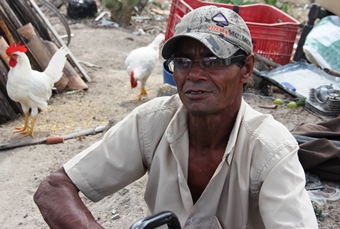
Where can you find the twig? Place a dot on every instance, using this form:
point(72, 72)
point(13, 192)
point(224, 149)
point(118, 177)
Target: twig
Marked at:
point(91, 131)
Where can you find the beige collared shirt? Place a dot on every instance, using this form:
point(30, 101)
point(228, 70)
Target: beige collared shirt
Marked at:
point(258, 184)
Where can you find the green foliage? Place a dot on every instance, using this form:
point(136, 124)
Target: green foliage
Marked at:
point(270, 2)
point(301, 101)
point(318, 212)
point(160, 5)
point(112, 4)
point(284, 6)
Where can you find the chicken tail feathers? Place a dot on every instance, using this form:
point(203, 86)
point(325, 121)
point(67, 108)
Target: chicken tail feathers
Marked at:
point(56, 65)
point(157, 41)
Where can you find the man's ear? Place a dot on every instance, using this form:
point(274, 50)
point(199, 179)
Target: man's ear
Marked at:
point(247, 68)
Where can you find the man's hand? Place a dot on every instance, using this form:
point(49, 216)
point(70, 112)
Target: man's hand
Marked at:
point(60, 205)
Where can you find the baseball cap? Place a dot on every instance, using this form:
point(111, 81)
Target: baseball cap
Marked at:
point(221, 30)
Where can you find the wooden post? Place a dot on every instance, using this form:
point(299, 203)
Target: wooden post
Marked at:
point(3, 75)
point(6, 111)
point(5, 29)
point(10, 14)
point(3, 47)
point(38, 49)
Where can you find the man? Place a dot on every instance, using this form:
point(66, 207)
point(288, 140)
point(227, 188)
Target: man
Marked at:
point(210, 158)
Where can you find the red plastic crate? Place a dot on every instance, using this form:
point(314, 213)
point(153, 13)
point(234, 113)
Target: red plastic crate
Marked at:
point(273, 31)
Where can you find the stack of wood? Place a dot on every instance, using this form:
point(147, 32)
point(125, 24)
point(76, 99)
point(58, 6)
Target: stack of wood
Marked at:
point(21, 20)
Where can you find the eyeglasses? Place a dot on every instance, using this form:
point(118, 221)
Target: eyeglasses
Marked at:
point(183, 65)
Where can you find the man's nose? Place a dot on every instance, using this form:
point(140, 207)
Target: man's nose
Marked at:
point(196, 72)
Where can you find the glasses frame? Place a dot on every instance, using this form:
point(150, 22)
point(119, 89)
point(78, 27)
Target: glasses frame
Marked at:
point(226, 61)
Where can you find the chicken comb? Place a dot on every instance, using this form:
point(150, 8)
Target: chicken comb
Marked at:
point(15, 47)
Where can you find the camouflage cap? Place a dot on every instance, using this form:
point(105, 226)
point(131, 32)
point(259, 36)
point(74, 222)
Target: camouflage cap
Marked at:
point(221, 30)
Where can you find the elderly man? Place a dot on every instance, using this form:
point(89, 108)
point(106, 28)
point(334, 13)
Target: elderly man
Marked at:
point(210, 158)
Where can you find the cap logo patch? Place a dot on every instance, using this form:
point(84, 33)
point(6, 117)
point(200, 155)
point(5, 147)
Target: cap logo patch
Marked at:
point(220, 20)
point(219, 30)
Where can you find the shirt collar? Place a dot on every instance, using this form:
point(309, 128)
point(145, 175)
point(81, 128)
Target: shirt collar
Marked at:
point(234, 133)
point(179, 124)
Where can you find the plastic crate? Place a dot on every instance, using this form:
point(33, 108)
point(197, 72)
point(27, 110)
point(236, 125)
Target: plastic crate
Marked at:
point(273, 31)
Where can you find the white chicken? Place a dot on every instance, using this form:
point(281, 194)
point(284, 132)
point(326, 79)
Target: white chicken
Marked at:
point(141, 62)
point(31, 88)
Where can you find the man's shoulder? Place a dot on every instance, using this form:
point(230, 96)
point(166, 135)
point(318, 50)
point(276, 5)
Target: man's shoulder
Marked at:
point(160, 105)
point(265, 127)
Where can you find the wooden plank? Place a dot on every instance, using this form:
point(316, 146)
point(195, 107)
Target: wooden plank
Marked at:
point(10, 14)
point(24, 13)
point(6, 111)
point(12, 22)
point(3, 75)
point(3, 47)
point(10, 26)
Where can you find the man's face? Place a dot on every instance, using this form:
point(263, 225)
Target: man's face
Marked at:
point(208, 92)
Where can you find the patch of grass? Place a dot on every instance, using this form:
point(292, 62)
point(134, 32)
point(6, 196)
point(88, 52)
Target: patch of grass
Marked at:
point(318, 212)
point(301, 102)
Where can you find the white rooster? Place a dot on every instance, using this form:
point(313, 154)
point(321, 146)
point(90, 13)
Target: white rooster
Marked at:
point(141, 62)
point(31, 88)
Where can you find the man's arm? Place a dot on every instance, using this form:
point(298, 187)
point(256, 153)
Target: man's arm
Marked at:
point(283, 200)
point(60, 205)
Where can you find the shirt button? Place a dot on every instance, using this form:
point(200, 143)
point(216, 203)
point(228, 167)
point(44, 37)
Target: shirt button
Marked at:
point(190, 221)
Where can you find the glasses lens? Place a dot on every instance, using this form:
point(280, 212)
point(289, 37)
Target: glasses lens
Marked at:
point(183, 65)
point(179, 64)
point(212, 63)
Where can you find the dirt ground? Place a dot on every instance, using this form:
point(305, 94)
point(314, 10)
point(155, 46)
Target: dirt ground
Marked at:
point(101, 52)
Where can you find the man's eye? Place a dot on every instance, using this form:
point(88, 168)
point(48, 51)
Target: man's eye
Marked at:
point(182, 63)
point(217, 63)
point(210, 63)
point(207, 63)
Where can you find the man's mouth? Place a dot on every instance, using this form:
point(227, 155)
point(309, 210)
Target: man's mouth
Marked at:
point(195, 92)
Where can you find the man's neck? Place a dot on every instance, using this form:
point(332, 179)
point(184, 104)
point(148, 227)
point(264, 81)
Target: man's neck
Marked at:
point(210, 132)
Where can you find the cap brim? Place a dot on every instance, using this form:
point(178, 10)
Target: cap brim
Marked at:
point(218, 46)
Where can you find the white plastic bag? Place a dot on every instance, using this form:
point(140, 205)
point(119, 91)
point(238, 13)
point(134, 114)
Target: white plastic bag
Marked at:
point(322, 45)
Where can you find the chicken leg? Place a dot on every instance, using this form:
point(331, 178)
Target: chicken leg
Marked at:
point(26, 126)
point(29, 131)
point(26, 130)
point(141, 94)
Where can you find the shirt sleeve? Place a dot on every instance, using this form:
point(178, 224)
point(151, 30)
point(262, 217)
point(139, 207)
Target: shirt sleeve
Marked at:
point(111, 163)
point(125, 151)
point(283, 200)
